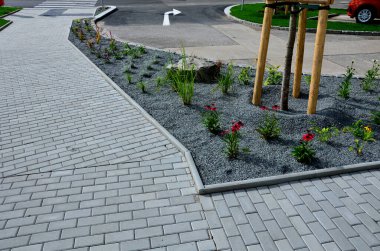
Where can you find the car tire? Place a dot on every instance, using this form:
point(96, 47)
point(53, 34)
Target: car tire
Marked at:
point(365, 15)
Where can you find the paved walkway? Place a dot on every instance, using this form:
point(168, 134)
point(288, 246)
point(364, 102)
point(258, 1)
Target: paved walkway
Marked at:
point(82, 169)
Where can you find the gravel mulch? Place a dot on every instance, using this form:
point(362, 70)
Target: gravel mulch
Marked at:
point(266, 158)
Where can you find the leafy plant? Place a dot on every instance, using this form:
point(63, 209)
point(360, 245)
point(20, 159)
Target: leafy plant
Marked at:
point(345, 86)
point(357, 147)
point(307, 79)
point(324, 134)
point(90, 44)
point(128, 77)
point(107, 56)
point(269, 128)
point(360, 131)
point(231, 139)
point(112, 45)
point(81, 35)
point(226, 80)
point(376, 117)
point(211, 119)
point(160, 82)
point(98, 35)
point(368, 83)
point(304, 153)
point(243, 76)
point(141, 50)
point(142, 86)
point(274, 75)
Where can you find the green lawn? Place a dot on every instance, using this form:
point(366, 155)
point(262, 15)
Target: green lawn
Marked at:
point(7, 9)
point(4, 10)
point(255, 13)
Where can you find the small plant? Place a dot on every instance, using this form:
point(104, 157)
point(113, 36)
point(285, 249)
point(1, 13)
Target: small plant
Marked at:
point(81, 35)
point(182, 80)
point(274, 75)
point(345, 86)
point(269, 128)
point(112, 46)
point(324, 134)
point(142, 86)
point(75, 29)
point(98, 52)
point(211, 119)
point(231, 138)
point(357, 147)
point(107, 56)
point(307, 79)
point(118, 55)
point(90, 44)
point(243, 76)
point(304, 153)
point(128, 77)
point(376, 117)
point(141, 50)
point(87, 25)
point(226, 80)
point(369, 81)
point(360, 131)
point(98, 35)
point(159, 83)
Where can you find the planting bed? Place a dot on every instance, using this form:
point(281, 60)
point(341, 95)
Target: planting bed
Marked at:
point(265, 158)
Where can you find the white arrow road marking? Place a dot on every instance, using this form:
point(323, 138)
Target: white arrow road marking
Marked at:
point(166, 16)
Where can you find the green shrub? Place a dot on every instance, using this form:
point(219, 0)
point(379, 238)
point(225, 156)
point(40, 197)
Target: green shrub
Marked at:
point(244, 76)
point(376, 117)
point(226, 80)
point(369, 81)
point(357, 147)
point(142, 86)
point(274, 75)
point(211, 119)
point(345, 86)
point(360, 131)
point(231, 139)
point(269, 128)
point(325, 134)
point(307, 79)
point(128, 77)
point(304, 153)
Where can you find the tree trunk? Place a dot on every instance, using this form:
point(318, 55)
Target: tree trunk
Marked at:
point(288, 60)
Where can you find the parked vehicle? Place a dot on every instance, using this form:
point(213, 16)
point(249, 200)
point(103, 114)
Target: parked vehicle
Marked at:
point(364, 11)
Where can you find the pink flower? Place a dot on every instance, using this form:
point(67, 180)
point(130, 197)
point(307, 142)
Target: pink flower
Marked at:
point(222, 133)
point(275, 108)
point(210, 107)
point(308, 137)
point(237, 126)
point(264, 108)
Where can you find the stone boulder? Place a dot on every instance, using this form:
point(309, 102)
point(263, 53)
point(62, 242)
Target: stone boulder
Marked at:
point(206, 71)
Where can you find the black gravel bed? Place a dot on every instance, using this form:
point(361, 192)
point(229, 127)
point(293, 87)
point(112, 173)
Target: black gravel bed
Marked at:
point(265, 158)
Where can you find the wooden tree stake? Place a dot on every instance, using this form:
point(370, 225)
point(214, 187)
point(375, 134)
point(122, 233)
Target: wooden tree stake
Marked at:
point(262, 57)
point(317, 60)
point(300, 53)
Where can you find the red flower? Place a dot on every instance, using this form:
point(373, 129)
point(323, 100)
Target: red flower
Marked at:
point(264, 108)
point(308, 137)
point(275, 107)
point(237, 126)
point(210, 107)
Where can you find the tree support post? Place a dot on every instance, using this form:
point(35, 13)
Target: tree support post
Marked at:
point(317, 59)
point(300, 53)
point(262, 57)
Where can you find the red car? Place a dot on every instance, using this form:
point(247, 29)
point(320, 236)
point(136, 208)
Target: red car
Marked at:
point(364, 11)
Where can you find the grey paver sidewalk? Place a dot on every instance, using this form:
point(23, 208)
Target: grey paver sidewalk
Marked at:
point(82, 169)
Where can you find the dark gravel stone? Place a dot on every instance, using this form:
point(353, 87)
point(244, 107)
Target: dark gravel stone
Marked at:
point(265, 158)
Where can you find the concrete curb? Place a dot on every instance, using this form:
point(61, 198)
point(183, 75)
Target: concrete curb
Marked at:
point(111, 9)
point(272, 180)
point(6, 25)
point(194, 172)
point(250, 183)
point(227, 12)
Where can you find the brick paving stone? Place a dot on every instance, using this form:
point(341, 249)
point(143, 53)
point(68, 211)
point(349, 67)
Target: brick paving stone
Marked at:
point(75, 129)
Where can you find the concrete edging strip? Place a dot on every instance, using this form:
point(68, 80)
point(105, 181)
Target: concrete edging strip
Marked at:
point(103, 14)
point(193, 169)
point(272, 180)
point(250, 183)
point(227, 12)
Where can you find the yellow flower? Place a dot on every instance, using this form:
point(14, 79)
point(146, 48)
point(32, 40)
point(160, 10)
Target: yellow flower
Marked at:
point(368, 129)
